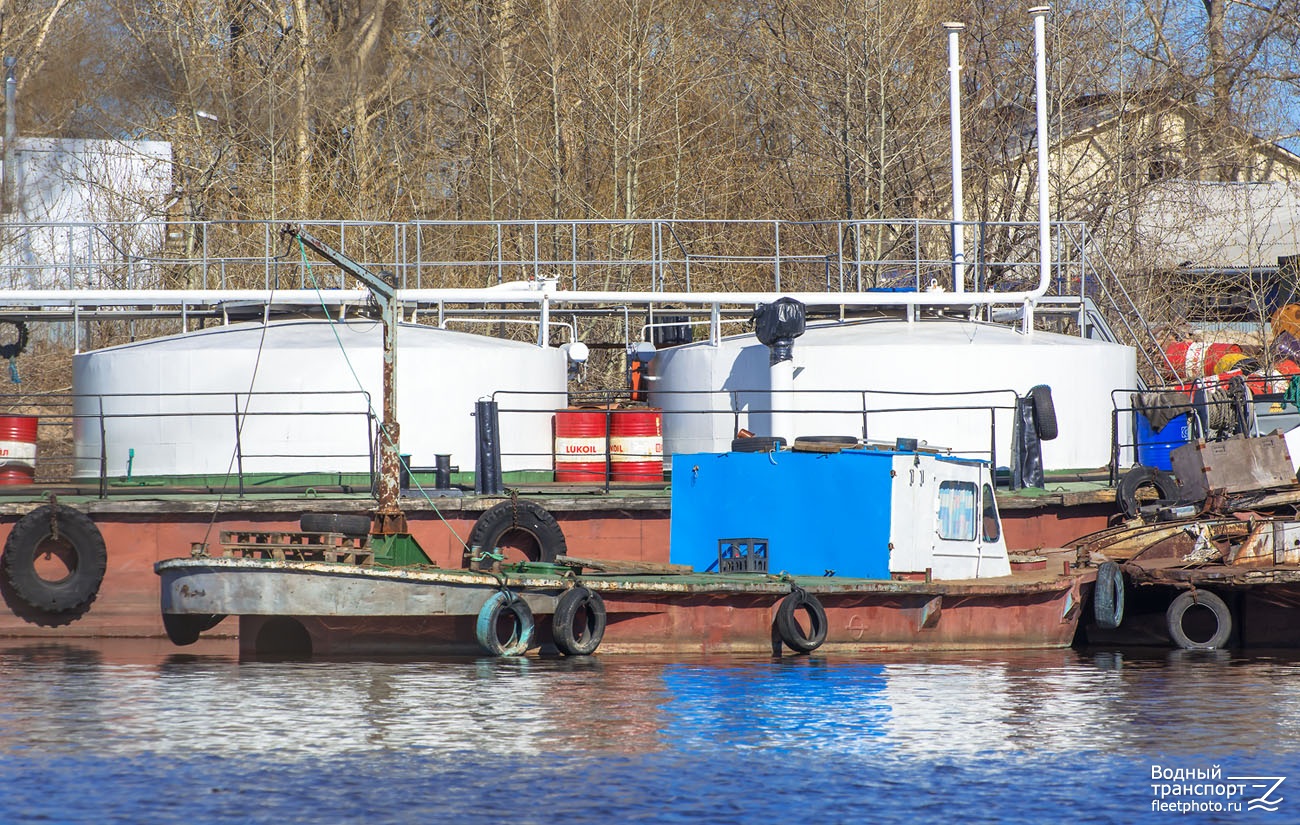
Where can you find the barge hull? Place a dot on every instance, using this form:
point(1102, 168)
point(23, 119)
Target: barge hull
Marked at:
point(323, 609)
point(140, 533)
point(708, 625)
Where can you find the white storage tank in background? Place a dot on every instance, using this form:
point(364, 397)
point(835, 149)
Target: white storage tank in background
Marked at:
point(169, 404)
point(862, 361)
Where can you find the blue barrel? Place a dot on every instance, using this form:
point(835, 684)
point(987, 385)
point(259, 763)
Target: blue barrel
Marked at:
point(1153, 448)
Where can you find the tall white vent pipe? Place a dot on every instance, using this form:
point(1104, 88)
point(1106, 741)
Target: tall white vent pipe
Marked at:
point(954, 112)
point(1040, 93)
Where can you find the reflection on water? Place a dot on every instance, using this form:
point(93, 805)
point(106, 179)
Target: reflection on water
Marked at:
point(636, 719)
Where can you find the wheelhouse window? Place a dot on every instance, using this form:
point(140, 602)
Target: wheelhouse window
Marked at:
point(992, 527)
point(957, 511)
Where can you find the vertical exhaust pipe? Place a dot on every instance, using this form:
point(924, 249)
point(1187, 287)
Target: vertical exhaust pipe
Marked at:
point(8, 197)
point(777, 325)
point(954, 111)
point(1040, 93)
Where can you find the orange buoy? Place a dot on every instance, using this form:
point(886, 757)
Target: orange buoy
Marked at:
point(1287, 319)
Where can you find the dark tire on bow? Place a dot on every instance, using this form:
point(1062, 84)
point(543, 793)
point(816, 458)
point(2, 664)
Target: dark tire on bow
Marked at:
point(578, 625)
point(1044, 412)
point(184, 629)
point(505, 611)
point(1108, 596)
point(352, 525)
point(757, 444)
point(1137, 478)
point(532, 530)
point(63, 534)
point(787, 621)
point(1176, 618)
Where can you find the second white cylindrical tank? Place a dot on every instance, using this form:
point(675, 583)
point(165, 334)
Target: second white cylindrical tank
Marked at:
point(924, 371)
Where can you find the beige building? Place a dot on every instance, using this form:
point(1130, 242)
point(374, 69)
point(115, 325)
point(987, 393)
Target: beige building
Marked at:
point(1194, 214)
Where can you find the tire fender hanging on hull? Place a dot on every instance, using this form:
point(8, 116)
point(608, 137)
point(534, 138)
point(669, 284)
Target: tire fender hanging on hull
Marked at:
point(54, 529)
point(502, 606)
point(791, 631)
point(1176, 617)
point(578, 624)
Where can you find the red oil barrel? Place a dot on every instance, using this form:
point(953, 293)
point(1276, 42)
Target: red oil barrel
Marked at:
point(18, 449)
point(580, 438)
point(1276, 380)
point(636, 445)
point(1194, 359)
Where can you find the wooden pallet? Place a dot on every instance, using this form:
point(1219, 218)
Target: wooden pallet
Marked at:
point(610, 566)
point(332, 547)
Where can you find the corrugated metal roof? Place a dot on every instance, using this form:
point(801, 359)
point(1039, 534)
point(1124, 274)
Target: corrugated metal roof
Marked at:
point(1195, 224)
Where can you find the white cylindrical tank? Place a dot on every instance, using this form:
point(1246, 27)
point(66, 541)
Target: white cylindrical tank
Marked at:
point(168, 406)
point(707, 390)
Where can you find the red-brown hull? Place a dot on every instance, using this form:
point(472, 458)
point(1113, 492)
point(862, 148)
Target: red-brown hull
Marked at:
point(127, 602)
point(139, 534)
point(1014, 617)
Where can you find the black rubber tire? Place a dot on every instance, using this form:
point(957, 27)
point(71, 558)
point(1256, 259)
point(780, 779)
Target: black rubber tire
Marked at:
point(347, 524)
point(757, 444)
point(846, 440)
point(522, 516)
point(787, 626)
point(1139, 477)
point(1044, 412)
point(489, 620)
point(1204, 598)
point(184, 629)
point(88, 562)
point(1108, 596)
point(589, 632)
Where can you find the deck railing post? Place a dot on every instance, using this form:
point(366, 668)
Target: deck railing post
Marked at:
point(776, 230)
point(993, 444)
point(103, 452)
point(609, 459)
point(1114, 447)
point(239, 449)
point(372, 436)
point(863, 394)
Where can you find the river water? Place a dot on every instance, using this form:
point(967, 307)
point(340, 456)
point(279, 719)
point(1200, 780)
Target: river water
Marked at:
point(145, 733)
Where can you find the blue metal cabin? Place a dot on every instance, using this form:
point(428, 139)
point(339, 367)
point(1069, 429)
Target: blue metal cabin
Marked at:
point(861, 513)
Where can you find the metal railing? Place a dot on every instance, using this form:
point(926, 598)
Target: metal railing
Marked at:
point(83, 439)
point(80, 431)
point(1197, 415)
point(641, 257)
point(743, 406)
point(601, 255)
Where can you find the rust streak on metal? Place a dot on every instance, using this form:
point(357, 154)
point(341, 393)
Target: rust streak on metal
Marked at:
point(1257, 549)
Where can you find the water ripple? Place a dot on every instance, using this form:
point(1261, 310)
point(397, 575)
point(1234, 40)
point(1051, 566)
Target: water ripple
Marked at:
point(89, 737)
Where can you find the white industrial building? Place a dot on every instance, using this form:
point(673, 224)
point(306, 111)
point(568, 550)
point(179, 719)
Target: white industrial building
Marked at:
point(79, 205)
